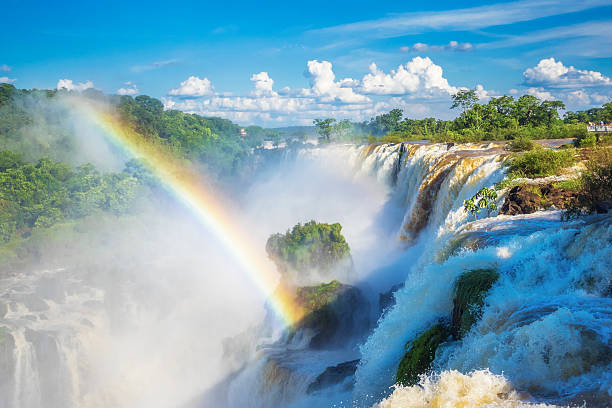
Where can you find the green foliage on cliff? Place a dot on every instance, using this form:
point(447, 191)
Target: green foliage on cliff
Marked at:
point(42, 194)
point(315, 297)
point(310, 246)
point(594, 186)
point(420, 354)
point(541, 163)
point(470, 290)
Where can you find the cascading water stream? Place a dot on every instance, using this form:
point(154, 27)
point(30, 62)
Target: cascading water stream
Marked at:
point(550, 307)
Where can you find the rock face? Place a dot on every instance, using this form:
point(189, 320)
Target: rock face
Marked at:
point(333, 375)
point(334, 312)
point(387, 299)
point(529, 198)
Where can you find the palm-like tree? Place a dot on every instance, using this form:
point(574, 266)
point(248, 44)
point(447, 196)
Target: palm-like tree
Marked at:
point(470, 206)
point(484, 198)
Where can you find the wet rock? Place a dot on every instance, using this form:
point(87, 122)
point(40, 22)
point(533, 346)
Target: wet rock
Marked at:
point(387, 300)
point(335, 312)
point(521, 200)
point(32, 302)
point(52, 288)
point(333, 375)
point(529, 198)
point(603, 207)
point(7, 367)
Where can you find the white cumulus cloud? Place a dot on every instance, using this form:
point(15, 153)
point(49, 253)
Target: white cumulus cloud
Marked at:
point(193, 87)
point(69, 85)
point(263, 84)
point(420, 76)
point(327, 96)
point(451, 46)
point(5, 68)
point(129, 89)
point(550, 72)
point(5, 79)
point(324, 86)
point(540, 93)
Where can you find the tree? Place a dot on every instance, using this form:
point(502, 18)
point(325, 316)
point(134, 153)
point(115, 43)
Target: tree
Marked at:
point(484, 198)
point(342, 130)
point(549, 110)
point(465, 98)
point(325, 128)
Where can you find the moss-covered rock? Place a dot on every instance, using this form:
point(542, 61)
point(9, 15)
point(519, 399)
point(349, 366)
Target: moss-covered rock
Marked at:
point(420, 354)
point(470, 290)
point(334, 312)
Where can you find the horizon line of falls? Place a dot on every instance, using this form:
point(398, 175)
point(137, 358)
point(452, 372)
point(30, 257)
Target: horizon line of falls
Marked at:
point(544, 334)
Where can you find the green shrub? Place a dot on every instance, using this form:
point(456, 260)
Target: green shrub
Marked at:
point(420, 354)
point(595, 184)
point(571, 184)
point(588, 140)
point(520, 145)
point(541, 163)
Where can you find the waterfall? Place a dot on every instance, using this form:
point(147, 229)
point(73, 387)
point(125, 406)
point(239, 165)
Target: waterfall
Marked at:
point(544, 335)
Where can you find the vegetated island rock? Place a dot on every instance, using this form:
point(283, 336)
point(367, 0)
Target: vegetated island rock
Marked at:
point(333, 375)
point(420, 354)
point(310, 252)
point(333, 311)
point(529, 198)
point(470, 290)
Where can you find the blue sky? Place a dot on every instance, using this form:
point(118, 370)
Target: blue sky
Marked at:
point(284, 63)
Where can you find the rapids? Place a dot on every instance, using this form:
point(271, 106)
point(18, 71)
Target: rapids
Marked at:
point(544, 337)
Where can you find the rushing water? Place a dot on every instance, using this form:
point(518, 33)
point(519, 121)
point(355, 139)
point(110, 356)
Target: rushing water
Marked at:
point(544, 338)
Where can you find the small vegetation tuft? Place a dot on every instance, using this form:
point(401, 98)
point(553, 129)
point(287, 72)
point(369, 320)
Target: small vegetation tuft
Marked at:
point(522, 144)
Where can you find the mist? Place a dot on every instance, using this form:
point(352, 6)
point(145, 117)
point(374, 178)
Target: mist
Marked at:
point(133, 311)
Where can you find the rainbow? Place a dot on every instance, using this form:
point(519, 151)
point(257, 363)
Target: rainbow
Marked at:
point(190, 188)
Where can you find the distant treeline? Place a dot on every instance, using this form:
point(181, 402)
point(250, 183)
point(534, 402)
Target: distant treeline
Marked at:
point(44, 181)
point(502, 118)
point(34, 123)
